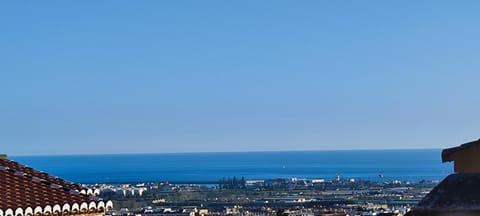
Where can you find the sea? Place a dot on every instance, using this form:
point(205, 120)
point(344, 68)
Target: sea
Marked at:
point(374, 165)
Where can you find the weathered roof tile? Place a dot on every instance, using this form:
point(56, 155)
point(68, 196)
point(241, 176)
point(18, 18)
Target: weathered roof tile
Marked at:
point(24, 187)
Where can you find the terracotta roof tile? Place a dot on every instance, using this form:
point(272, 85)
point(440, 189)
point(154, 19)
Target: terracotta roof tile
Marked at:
point(23, 187)
point(35, 173)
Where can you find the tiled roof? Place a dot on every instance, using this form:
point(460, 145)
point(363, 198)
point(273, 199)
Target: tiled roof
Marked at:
point(457, 194)
point(27, 192)
point(35, 173)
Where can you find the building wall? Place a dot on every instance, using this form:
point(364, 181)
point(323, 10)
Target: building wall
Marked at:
point(467, 160)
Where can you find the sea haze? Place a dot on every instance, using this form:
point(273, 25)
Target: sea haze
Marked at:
point(412, 165)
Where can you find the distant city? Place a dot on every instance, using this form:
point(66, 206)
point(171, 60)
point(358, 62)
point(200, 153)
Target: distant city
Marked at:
point(239, 196)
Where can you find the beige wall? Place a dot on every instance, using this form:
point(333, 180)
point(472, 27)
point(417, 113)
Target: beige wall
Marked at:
point(467, 160)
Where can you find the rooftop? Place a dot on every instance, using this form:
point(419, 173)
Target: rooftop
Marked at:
point(447, 153)
point(458, 194)
point(27, 192)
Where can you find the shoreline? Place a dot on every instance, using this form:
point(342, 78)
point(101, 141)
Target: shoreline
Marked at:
point(207, 182)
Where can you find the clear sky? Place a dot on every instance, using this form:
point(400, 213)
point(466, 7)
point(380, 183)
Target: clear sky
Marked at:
point(82, 77)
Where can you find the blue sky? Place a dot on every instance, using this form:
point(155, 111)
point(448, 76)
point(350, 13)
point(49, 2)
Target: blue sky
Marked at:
point(83, 77)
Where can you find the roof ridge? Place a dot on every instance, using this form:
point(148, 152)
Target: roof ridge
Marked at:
point(39, 190)
point(62, 182)
point(37, 179)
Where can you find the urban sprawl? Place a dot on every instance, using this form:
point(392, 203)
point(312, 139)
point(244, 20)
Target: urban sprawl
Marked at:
point(239, 196)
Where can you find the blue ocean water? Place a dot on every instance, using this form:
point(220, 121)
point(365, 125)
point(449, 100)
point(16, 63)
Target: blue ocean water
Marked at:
point(412, 165)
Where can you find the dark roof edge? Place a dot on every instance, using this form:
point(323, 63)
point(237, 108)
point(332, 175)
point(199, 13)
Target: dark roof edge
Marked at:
point(447, 153)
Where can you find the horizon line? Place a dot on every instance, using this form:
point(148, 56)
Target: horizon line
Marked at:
point(219, 152)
